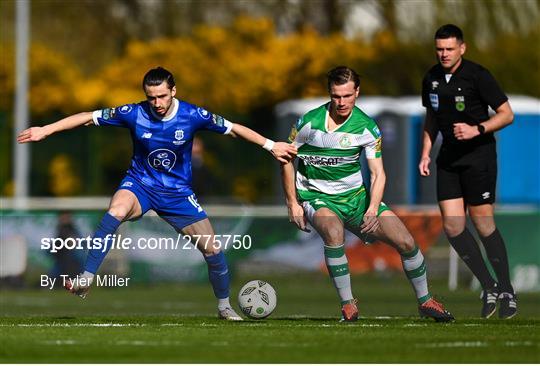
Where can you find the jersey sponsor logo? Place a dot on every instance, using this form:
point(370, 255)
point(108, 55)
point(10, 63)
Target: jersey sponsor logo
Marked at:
point(204, 113)
point(146, 135)
point(345, 141)
point(460, 103)
point(127, 184)
point(108, 113)
point(321, 160)
point(434, 85)
point(218, 120)
point(125, 109)
point(434, 99)
point(162, 160)
point(377, 131)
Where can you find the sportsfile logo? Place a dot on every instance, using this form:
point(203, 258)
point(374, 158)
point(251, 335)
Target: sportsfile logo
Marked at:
point(119, 241)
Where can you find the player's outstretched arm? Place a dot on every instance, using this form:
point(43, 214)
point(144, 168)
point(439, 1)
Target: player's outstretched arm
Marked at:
point(34, 134)
point(282, 151)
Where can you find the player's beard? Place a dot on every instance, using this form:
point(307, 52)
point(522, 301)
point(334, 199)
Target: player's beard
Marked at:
point(163, 111)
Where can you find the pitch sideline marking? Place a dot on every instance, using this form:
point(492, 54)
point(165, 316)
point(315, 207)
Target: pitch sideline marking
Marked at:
point(136, 342)
point(475, 344)
point(74, 325)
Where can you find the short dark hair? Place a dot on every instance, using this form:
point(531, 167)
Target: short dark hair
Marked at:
point(449, 31)
point(155, 77)
point(342, 75)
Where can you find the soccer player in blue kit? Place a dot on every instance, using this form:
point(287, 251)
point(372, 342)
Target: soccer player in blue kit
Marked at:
point(159, 178)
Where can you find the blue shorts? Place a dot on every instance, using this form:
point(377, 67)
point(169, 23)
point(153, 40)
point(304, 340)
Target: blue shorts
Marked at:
point(178, 211)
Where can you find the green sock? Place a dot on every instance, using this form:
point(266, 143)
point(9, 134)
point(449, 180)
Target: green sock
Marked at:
point(415, 269)
point(338, 268)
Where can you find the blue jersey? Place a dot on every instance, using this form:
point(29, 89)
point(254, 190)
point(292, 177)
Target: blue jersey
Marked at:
point(162, 146)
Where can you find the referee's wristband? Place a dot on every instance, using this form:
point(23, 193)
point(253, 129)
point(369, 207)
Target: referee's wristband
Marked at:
point(268, 145)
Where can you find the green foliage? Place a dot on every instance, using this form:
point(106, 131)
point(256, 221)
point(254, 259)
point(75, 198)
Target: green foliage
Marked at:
point(246, 66)
point(244, 69)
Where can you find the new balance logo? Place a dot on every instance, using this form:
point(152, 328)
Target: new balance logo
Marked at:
point(486, 195)
point(146, 135)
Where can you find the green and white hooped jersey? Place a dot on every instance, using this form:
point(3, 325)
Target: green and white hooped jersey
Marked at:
point(330, 160)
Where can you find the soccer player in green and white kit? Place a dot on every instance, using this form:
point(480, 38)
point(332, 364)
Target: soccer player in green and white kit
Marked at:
point(330, 194)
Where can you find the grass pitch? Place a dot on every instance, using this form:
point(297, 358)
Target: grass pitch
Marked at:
point(177, 323)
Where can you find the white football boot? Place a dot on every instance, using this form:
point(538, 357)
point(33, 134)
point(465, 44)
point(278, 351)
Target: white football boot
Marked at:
point(229, 314)
point(80, 285)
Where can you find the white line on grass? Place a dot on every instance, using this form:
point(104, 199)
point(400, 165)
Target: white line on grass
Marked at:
point(513, 325)
point(453, 345)
point(476, 344)
point(147, 343)
point(206, 325)
point(519, 344)
point(336, 325)
point(61, 342)
point(310, 317)
point(74, 325)
point(153, 343)
point(172, 325)
point(415, 325)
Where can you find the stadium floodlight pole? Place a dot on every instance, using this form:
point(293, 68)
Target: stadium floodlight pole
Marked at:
point(21, 151)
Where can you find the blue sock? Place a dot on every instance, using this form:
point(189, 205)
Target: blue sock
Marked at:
point(108, 225)
point(218, 273)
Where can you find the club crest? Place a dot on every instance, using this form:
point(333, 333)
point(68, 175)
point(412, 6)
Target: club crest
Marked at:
point(179, 134)
point(345, 141)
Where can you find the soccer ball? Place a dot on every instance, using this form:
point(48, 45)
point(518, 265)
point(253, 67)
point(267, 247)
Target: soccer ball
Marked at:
point(257, 299)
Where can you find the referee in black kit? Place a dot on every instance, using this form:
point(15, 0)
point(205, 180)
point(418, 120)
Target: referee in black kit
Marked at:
point(456, 93)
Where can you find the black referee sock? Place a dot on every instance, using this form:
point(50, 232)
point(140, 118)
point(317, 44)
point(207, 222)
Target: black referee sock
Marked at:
point(496, 252)
point(468, 250)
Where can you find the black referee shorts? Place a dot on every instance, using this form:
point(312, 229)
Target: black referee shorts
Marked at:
point(475, 183)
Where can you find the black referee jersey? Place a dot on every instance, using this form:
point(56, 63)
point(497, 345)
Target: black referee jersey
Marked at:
point(464, 98)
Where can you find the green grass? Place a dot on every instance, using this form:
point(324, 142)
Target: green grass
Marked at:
point(177, 323)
